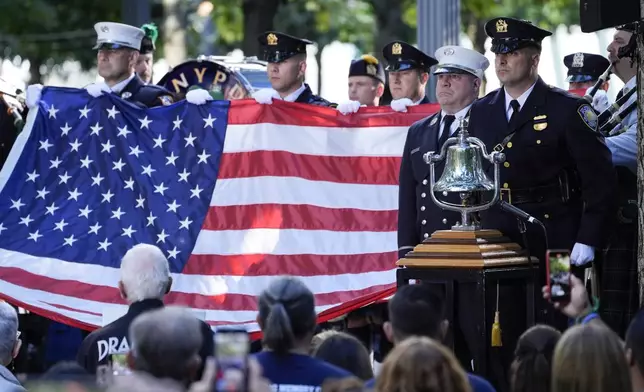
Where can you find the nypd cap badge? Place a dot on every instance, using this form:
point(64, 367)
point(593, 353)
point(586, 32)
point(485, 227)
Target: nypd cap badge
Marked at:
point(588, 116)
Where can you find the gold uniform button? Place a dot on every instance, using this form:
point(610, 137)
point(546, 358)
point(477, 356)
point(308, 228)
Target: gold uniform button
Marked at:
point(506, 185)
point(546, 216)
point(424, 222)
point(425, 235)
point(509, 145)
point(444, 221)
point(424, 182)
point(538, 141)
point(422, 208)
point(506, 164)
point(423, 195)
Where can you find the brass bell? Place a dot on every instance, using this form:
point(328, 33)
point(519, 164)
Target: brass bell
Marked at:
point(463, 171)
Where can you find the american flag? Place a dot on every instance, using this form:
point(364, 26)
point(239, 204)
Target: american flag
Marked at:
point(233, 193)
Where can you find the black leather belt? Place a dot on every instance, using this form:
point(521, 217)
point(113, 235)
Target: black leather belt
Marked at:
point(532, 195)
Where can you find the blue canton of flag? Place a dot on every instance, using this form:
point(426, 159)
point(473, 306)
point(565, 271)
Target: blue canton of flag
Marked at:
point(93, 177)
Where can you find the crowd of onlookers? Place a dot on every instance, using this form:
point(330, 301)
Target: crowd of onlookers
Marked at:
point(168, 349)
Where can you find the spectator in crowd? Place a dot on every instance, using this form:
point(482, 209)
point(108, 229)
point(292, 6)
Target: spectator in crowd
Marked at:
point(420, 364)
point(64, 376)
point(145, 280)
point(9, 347)
point(287, 319)
point(345, 351)
point(590, 358)
point(349, 384)
point(635, 350)
point(417, 310)
point(165, 348)
point(531, 368)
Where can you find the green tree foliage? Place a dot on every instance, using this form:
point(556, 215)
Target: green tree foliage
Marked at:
point(50, 32)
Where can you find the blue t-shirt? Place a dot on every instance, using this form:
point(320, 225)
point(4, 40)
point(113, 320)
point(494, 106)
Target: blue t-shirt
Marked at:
point(296, 372)
point(478, 384)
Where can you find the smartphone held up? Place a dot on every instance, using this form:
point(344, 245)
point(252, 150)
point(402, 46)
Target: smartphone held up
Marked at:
point(232, 347)
point(558, 272)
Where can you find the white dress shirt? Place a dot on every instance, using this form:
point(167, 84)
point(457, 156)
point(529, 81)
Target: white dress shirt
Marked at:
point(624, 146)
point(521, 100)
point(295, 94)
point(118, 87)
point(455, 124)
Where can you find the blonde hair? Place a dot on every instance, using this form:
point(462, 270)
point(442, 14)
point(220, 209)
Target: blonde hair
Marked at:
point(421, 364)
point(590, 358)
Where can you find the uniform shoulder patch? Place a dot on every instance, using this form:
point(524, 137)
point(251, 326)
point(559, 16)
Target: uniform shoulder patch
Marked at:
point(588, 116)
point(166, 100)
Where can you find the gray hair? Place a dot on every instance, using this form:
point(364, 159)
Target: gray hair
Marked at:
point(8, 331)
point(145, 273)
point(165, 342)
point(287, 313)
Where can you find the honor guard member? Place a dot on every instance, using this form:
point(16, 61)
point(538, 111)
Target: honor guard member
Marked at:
point(366, 84)
point(286, 57)
point(557, 168)
point(408, 74)
point(619, 282)
point(117, 48)
point(460, 73)
point(584, 70)
point(146, 55)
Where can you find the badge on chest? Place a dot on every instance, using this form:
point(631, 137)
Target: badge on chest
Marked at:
point(540, 122)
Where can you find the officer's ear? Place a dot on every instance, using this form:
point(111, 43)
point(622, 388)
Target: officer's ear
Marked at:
point(424, 77)
point(380, 89)
point(477, 86)
point(301, 66)
point(122, 290)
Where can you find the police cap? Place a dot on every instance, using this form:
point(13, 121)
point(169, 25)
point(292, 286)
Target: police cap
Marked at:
point(150, 38)
point(367, 65)
point(278, 47)
point(510, 34)
point(401, 56)
point(585, 67)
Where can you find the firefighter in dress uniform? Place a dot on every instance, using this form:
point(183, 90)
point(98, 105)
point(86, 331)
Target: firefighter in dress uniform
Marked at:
point(286, 57)
point(118, 47)
point(408, 69)
point(618, 273)
point(557, 168)
point(460, 73)
point(584, 70)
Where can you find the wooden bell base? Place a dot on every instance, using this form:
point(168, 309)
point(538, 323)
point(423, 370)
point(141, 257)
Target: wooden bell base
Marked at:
point(465, 249)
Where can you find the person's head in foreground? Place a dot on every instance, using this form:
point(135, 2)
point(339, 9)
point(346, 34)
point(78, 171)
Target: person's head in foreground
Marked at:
point(420, 364)
point(531, 369)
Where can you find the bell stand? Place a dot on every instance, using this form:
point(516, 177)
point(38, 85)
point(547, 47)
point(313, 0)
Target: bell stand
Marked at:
point(471, 263)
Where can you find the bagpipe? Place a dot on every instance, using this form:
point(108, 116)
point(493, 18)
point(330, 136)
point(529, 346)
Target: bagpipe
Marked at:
point(222, 78)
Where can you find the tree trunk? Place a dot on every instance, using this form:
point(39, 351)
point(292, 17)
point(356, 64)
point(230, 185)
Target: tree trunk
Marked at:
point(640, 161)
point(390, 25)
point(174, 33)
point(258, 18)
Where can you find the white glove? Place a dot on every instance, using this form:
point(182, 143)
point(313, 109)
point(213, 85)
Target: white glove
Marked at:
point(348, 107)
point(97, 89)
point(34, 92)
point(582, 254)
point(400, 105)
point(265, 95)
point(198, 96)
point(600, 100)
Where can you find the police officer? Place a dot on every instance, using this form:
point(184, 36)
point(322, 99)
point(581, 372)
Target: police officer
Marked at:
point(118, 48)
point(619, 283)
point(584, 70)
point(557, 169)
point(286, 57)
point(145, 61)
point(408, 74)
point(366, 84)
point(460, 72)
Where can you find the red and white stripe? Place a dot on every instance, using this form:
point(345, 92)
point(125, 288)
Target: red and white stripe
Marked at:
point(302, 190)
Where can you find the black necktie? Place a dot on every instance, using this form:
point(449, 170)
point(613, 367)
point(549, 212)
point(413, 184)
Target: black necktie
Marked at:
point(449, 119)
point(620, 94)
point(515, 110)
